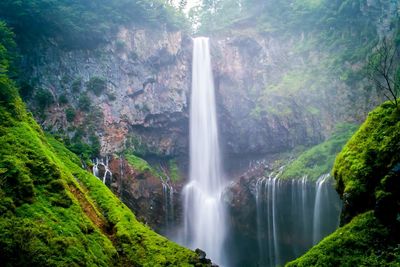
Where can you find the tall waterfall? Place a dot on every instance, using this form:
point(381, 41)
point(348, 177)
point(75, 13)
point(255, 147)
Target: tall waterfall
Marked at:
point(204, 214)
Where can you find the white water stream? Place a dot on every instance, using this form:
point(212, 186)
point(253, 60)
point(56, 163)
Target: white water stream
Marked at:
point(204, 213)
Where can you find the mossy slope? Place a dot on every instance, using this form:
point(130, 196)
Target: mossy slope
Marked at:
point(319, 159)
point(367, 169)
point(362, 242)
point(54, 213)
point(367, 172)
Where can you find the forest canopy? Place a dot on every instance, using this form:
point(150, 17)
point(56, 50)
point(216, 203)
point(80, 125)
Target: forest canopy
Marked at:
point(82, 24)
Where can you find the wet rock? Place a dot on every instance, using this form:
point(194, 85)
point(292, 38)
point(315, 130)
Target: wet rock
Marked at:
point(202, 256)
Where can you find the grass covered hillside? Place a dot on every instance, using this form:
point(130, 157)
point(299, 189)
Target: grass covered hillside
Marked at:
point(367, 173)
point(54, 213)
point(319, 159)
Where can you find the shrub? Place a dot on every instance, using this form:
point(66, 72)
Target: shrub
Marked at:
point(97, 85)
point(63, 99)
point(84, 103)
point(76, 85)
point(70, 114)
point(43, 99)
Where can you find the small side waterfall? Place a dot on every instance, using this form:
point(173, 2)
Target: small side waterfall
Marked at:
point(204, 213)
point(267, 190)
point(168, 195)
point(292, 215)
point(96, 170)
point(321, 201)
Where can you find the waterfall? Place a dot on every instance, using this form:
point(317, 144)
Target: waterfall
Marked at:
point(168, 194)
point(107, 173)
point(321, 194)
point(292, 215)
point(267, 190)
point(96, 167)
point(204, 213)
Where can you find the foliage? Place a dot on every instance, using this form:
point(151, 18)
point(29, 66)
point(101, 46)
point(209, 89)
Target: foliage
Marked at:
point(70, 114)
point(63, 99)
point(84, 103)
point(7, 50)
point(54, 213)
point(319, 159)
point(97, 85)
point(43, 98)
point(174, 173)
point(86, 148)
point(362, 242)
point(83, 24)
point(366, 170)
point(140, 164)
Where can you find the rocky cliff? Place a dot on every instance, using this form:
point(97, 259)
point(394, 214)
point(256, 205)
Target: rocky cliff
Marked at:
point(137, 86)
point(134, 92)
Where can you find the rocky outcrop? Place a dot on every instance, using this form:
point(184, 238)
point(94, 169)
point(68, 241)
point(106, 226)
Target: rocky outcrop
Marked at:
point(149, 196)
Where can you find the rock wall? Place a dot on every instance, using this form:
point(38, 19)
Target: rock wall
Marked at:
point(244, 66)
point(148, 77)
point(147, 195)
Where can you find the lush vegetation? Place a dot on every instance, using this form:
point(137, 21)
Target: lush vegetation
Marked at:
point(367, 169)
point(170, 170)
point(367, 173)
point(365, 241)
point(140, 164)
point(83, 24)
point(319, 159)
point(54, 213)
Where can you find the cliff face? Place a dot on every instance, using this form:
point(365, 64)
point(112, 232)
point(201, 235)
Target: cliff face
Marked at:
point(146, 77)
point(144, 101)
point(255, 119)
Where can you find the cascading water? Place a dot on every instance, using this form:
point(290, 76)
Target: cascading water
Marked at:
point(168, 194)
point(107, 173)
point(292, 216)
point(322, 217)
point(204, 213)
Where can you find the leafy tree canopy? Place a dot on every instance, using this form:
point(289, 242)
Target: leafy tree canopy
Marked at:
point(82, 24)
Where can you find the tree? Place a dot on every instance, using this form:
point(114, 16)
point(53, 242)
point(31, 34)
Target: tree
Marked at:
point(384, 70)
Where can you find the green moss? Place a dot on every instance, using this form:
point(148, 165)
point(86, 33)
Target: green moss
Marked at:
point(319, 159)
point(139, 164)
point(362, 242)
point(54, 213)
point(368, 160)
point(49, 226)
point(174, 170)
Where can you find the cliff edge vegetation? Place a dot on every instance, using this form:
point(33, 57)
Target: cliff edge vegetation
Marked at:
point(367, 174)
